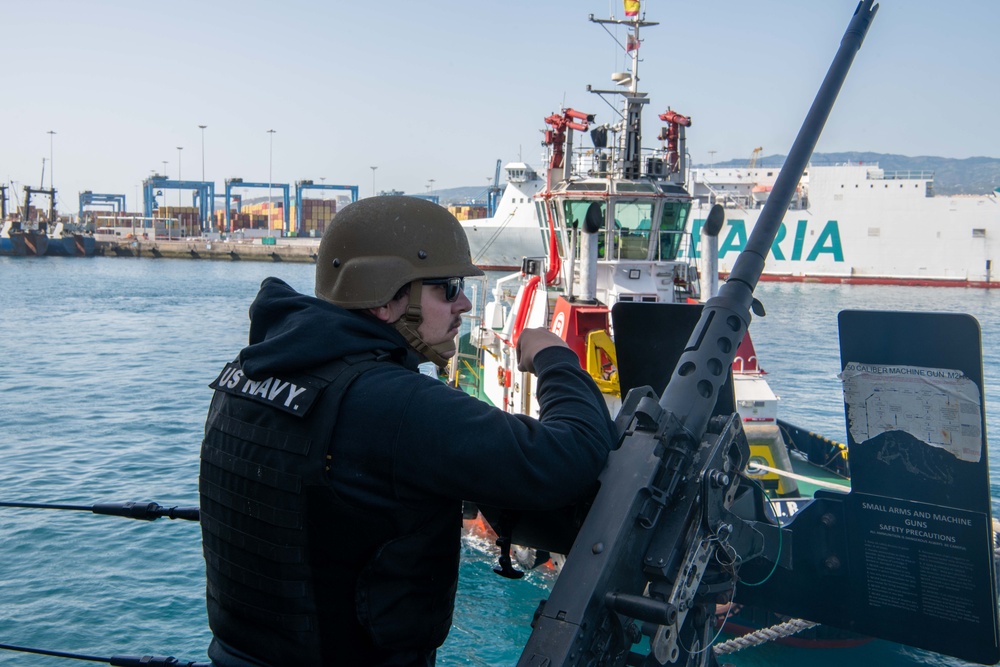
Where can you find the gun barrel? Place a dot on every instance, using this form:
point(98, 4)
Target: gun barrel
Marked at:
point(701, 370)
point(750, 263)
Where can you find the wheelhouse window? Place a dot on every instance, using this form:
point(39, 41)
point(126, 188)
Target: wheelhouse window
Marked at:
point(633, 224)
point(630, 186)
point(672, 224)
point(576, 213)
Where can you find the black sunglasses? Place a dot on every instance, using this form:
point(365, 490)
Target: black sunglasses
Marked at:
point(452, 286)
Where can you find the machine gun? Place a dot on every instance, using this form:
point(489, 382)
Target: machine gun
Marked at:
point(660, 542)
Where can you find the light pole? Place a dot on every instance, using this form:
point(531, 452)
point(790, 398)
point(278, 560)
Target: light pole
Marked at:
point(202, 127)
point(179, 149)
point(373, 179)
point(51, 163)
point(163, 201)
point(711, 157)
point(270, 153)
point(205, 206)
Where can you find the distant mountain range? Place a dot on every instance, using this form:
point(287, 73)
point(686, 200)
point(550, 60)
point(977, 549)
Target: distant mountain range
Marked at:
point(974, 175)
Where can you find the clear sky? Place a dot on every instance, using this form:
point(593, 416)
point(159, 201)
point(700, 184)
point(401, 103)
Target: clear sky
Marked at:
point(434, 93)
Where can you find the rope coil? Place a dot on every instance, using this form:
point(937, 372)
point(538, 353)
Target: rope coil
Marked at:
point(758, 637)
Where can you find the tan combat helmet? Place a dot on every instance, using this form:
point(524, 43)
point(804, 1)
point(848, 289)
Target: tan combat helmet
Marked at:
point(375, 246)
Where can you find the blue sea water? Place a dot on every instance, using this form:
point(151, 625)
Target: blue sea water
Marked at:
point(103, 392)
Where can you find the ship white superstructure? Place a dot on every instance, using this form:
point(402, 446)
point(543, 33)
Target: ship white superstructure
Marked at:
point(857, 223)
point(513, 232)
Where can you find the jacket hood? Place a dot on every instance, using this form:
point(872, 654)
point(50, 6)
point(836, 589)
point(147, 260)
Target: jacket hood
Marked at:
point(291, 332)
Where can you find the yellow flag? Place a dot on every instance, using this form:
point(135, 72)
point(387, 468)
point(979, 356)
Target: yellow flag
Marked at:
point(631, 7)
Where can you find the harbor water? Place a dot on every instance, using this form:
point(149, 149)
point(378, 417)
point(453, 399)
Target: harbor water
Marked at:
point(103, 393)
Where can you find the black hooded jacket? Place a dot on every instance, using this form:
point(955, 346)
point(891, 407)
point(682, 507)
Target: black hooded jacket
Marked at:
point(380, 537)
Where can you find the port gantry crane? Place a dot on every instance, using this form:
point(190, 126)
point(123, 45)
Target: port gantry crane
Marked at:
point(240, 183)
point(88, 198)
point(302, 185)
point(205, 190)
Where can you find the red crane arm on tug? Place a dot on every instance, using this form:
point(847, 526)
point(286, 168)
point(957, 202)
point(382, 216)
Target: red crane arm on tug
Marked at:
point(587, 118)
point(671, 133)
point(556, 137)
point(672, 117)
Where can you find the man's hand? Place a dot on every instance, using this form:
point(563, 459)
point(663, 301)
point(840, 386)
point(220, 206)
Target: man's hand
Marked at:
point(530, 343)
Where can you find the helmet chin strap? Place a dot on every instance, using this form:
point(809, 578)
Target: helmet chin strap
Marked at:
point(407, 326)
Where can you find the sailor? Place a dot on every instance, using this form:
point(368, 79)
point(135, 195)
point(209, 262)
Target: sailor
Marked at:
point(333, 472)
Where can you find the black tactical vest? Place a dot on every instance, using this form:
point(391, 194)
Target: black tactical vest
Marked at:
point(297, 576)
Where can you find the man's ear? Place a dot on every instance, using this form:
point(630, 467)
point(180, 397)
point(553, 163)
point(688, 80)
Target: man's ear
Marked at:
point(391, 311)
point(381, 312)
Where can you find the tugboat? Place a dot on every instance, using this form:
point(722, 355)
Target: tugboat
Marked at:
point(615, 227)
point(615, 224)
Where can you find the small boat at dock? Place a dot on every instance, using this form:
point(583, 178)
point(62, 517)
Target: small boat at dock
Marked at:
point(64, 242)
point(20, 241)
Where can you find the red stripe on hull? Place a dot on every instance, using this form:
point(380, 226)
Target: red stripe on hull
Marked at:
point(872, 280)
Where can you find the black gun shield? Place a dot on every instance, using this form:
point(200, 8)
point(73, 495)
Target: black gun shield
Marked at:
point(921, 539)
point(649, 340)
point(907, 555)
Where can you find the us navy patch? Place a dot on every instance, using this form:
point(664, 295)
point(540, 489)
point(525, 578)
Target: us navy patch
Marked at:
point(293, 397)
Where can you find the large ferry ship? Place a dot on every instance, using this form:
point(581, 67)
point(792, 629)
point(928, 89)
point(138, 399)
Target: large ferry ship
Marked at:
point(856, 223)
point(851, 223)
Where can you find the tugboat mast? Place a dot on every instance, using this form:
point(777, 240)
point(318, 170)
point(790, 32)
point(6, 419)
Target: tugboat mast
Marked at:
point(629, 161)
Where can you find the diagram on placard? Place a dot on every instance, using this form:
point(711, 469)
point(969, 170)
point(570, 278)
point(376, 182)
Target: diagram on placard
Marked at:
point(940, 407)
